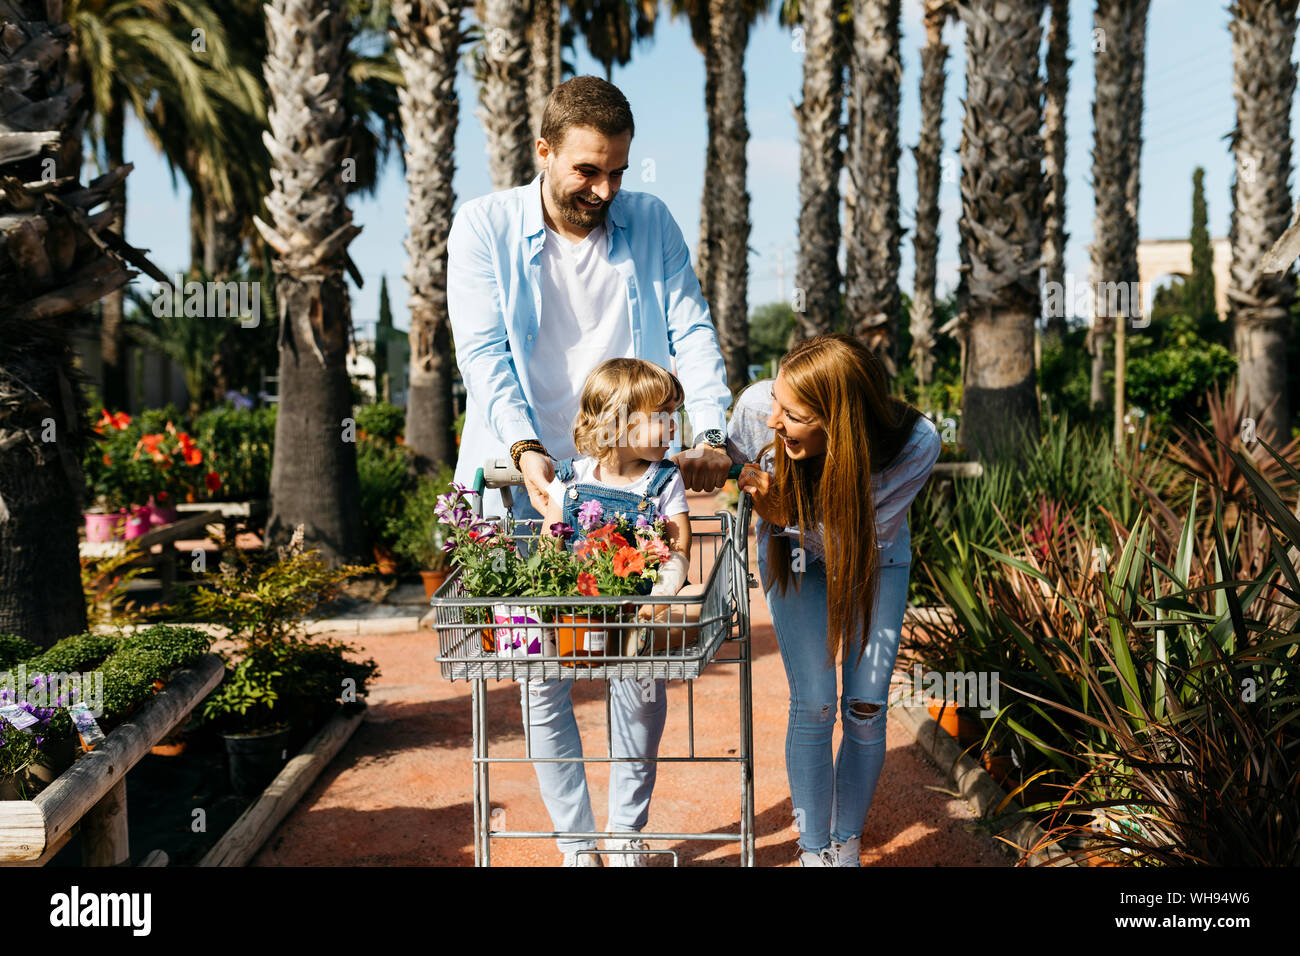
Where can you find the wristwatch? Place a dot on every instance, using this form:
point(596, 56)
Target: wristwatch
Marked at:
point(715, 437)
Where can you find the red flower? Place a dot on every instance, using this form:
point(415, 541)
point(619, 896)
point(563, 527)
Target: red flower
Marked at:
point(107, 460)
point(213, 481)
point(628, 561)
point(618, 541)
point(582, 549)
point(118, 420)
point(473, 535)
point(587, 584)
point(150, 444)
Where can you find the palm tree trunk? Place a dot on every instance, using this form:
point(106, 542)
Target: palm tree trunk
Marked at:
point(503, 92)
point(707, 245)
point(112, 327)
point(1001, 222)
point(1054, 234)
point(1264, 81)
point(1114, 246)
point(929, 158)
point(545, 69)
point(314, 469)
point(817, 271)
point(728, 36)
point(428, 38)
point(871, 292)
point(53, 261)
point(1137, 42)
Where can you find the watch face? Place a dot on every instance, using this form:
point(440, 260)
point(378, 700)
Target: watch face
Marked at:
point(714, 437)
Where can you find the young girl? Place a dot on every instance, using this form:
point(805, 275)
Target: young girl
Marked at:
point(625, 424)
point(839, 462)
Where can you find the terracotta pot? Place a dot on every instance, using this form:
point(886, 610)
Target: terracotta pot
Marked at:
point(999, 766)
point(965, 730)
point(104, 527)
point(386, 560)
point(171, 749)
point(586, 635)
point(432, 581)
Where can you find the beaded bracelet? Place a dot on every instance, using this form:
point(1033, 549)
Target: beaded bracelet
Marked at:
point(528, 444)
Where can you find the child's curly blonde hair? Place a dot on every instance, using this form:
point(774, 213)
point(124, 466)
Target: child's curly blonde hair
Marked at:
point(628, 384)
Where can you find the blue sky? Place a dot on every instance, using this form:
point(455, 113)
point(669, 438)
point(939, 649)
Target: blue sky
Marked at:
point(1189, 111)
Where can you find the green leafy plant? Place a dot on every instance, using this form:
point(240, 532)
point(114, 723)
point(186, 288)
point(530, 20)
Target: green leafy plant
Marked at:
point(381, 421)
point(387, 478)
point(276, 675)
point(417, 535)
point(240, 443)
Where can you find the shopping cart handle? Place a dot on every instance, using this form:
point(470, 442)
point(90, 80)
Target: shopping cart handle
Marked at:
point(503, 472)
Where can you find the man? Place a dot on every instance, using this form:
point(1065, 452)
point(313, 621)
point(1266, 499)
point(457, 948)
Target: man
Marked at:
point(544, 283)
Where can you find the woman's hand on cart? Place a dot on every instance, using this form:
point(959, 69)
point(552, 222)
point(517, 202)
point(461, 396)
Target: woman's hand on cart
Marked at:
point(762, 490)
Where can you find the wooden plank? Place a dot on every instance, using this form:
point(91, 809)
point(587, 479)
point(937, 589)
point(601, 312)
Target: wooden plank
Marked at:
point(104, 837)
point(65, 801)
point(22, 830)
point(255, 825)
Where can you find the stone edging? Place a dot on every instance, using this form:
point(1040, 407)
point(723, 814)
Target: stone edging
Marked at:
point(976, 787)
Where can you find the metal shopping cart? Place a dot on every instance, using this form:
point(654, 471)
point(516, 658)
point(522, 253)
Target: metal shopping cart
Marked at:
point(519, 639)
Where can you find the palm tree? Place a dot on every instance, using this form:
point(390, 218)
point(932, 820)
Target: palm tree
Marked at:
point(1054, 234)
point(1264, 82)
point(725, 183)
point(547, 61)
point(137, 55)
point(314, 471)
point(429, 37)
point(817, 271)
point(871, 293)
point(502, 72)
point(610, 27)
point(1121, 31)
point(929, 154)
point(55, 258)
point(1001, 225)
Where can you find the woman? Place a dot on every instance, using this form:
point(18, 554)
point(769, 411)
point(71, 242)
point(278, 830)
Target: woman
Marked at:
point(839, 462)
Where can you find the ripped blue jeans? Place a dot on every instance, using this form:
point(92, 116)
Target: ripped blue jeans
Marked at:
point(831, 800)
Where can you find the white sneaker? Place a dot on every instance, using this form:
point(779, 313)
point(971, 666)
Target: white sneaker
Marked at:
point(823, 857)
point(583, 858)
point(847, 853)
point(628, 859)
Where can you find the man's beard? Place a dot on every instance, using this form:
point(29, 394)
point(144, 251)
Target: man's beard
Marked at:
point(574, 214)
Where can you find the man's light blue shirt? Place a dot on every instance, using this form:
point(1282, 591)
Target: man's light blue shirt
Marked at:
point(494, 285)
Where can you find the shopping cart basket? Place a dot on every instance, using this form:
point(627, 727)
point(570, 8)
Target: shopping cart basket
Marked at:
point(515, 638)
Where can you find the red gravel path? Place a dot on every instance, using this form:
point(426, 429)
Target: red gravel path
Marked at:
point(400, 792)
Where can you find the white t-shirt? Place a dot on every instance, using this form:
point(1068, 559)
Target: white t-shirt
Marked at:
point(670, 501)
point(585, 320)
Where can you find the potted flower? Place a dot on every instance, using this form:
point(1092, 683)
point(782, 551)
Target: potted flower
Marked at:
point(489, 564)
point(109, 476)
point(611, 558)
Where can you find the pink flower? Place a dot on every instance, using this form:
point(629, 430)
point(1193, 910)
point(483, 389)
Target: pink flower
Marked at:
point(656, 547)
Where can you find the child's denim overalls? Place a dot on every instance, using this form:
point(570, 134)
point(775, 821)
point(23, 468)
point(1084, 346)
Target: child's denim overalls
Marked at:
point(612, 500)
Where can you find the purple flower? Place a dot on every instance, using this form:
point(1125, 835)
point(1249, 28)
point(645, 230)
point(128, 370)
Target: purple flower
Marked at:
point(561, 530)
point(589, 514)
point(642, 521)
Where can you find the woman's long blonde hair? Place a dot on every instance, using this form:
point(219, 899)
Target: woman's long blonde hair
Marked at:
point(620, 383)
point(843, 384)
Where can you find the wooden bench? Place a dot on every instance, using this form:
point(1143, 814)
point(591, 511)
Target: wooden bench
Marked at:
point(163, 538)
